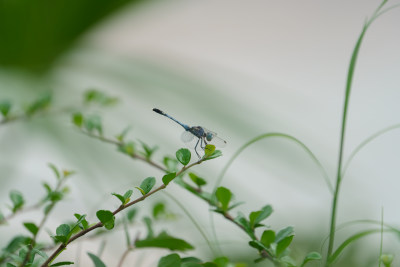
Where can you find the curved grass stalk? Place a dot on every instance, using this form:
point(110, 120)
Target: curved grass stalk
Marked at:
point(349, 82)
point(364, 143)
point(334, 256)
point(388, 227)
point(193, 221)
point(268, 135)
point(252, 141)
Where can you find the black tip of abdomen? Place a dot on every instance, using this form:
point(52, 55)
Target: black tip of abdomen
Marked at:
point(158, 111)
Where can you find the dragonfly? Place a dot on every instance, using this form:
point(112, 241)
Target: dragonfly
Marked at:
point(204, 136)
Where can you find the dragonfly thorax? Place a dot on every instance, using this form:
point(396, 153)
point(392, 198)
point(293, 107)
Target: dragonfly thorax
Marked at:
point(198, 131)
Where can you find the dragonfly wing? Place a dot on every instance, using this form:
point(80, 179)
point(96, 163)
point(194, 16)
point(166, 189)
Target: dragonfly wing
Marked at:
point(218, 142)
point(215, 140)
point(187, 137)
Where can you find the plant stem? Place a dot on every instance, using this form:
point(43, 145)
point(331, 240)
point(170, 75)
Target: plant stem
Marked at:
point(349, 82)
point(121, 208)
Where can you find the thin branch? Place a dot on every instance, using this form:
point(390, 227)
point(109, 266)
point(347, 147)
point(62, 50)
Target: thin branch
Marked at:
point(121, 208)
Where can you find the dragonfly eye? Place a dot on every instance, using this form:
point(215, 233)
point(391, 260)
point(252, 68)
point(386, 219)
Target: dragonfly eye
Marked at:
point(209, 136)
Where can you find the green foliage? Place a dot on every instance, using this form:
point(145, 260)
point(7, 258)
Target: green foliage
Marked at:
point(31, 228)
point(93, 123)
point(96, 260)
point(17, 200)
point(62, 233)
point(171, 164)
point(172, 260)
point(38, 105)
point(183, 155)
point(77, 119)
point(163, 240)
point(62, 263)
point(107, 218)
point(224, 196)
point(147, 185)
point(256, 217)
point(215, 154)
point(82, 222)
point(148, 151)
point(312, 256)
point(197, 180)
point(127, 148)
point(209, 150)
point(168, 178)
point(5, 107)
point(125, 198)
point(100, 98)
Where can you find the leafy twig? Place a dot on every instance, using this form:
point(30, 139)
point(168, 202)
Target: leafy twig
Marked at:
point(121, 208)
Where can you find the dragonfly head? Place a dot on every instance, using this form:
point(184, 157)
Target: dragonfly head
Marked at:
point(209, 136)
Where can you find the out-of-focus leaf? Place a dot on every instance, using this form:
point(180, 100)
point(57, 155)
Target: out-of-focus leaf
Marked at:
point(224, 196)
point(163, 240)
point(172, 260)
point(5, 107)
point(17, 199)
point(96, 260)
point(197, 180)
point(95, 96)
point(31, 227)
point(33, 40)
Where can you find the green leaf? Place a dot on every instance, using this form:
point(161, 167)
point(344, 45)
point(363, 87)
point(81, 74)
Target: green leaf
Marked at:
point(61, 263)
point(158, 210)
point(172, 260)
point(5, 107)
point(82, 221)
point(17, 199)
point(221, 261)
point(107, 218)
point(148, 223)
point(63, 230)
point(128, 148)
point(168, 178)
point(100, 98)
point(92, 123)
point(77, 119)
point(148, 151)
point(120, 137)
point(163, 240)
point(55, 170)
point(224, 196)
point(40, 104)
point(130, 215)
point(147, 185)
point(215, 154)
point(283, 244)
point(241, 220)
point(197, 180)
point(183, 155)
point(31, 228)
point(128, 195)
point(257, 244)
point(96, 260)
point(311, 257)
point(209, 150)
point(256, 217)
point(267, 238)
point(121, 198)
point(288, 231)
point(170, 164)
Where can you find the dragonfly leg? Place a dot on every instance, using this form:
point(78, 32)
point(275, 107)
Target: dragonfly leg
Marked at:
point(195, 148)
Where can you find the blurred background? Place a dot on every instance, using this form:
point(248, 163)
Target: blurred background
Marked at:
point(240, 68)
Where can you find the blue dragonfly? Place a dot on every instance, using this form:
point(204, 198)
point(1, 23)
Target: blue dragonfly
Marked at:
point(204, 136)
